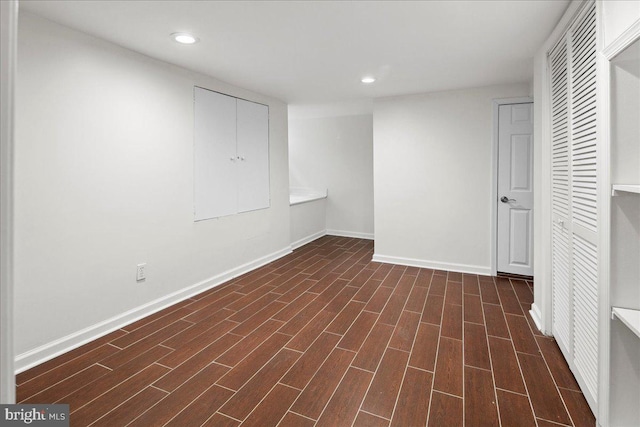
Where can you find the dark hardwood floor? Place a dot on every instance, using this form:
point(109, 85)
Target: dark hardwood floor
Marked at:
point(324, 337)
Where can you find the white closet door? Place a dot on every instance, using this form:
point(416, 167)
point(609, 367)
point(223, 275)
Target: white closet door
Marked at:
point(253, 154)
point(215, 158)
point(574, 200)
point(560, 193)
point(584, 205)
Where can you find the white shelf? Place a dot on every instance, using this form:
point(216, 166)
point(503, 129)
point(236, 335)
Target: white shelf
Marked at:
point(627, 188)
point(631, 318)
point(304, 195)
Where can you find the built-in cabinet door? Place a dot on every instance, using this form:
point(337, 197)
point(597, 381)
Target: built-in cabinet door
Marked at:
point(215, 174)
point(574, 186)
point(253, 155)
point(231, 155)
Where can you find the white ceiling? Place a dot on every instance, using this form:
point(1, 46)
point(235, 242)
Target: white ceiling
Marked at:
point(306, 52)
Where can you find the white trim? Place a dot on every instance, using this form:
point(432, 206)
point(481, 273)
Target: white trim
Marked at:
point(604, 204)
point(545, 283)
point(436, 265)
point(517, 100)
point(8, 48)
point(494, 174)
point(354, 234)
point(536, 316)
point(629, 36)
point(55, 348)
point(308, 239)
point(339, 233)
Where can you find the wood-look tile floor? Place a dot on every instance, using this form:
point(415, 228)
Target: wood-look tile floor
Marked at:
point(324, 337)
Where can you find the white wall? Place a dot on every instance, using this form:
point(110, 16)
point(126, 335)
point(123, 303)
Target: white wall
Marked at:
point(308, 222)
point(617, 17)
point(104, 181)
point(8, 44)
point(433, 177)
point(336, 153)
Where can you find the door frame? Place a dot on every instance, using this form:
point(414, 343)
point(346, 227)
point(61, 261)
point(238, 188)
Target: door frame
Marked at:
point(494, 174)
point(8, 47)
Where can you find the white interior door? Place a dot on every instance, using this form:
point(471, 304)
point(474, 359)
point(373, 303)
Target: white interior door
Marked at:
point(515, 189)
point(215, 158)
point(253, 156)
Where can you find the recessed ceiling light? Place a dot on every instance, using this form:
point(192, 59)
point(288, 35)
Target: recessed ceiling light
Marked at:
point(184, 38)
point(367, 80)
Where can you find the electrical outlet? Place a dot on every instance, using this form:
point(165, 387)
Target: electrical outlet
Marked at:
point(141, 272)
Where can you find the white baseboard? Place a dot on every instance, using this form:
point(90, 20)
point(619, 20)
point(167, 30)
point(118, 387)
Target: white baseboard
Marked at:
point(536, 315)
point(55, 348)
point(354, 234)
point(339, 233)
point(460, 268)
point(308, 239)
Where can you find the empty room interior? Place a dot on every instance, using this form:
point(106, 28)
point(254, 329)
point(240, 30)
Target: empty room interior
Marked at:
point(321, 213)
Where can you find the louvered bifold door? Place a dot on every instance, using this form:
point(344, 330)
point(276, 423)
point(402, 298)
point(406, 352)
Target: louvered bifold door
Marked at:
point(574, 195)
point(560, 194)
point(584, 206)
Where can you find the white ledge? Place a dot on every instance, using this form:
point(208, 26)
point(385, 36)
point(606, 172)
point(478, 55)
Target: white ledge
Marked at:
point(631, 318)
point(626, 188)
point(305, 195)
